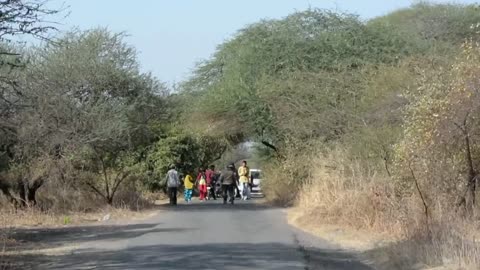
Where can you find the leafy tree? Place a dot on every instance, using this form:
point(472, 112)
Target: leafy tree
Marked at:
point(433, 24)
point(442, 128)
point(276, 68)
point(188, 152)
point(87, 99)
point(19, 18)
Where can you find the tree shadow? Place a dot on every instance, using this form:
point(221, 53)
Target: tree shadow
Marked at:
point(269, 255)
point(209, 256)
point(30, 239)
point(218, 206)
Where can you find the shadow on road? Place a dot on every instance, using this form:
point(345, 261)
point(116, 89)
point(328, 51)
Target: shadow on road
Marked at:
point(210, 256)
point(144, 255)
point(251, 205)
point(36, 238)
point(28, 239)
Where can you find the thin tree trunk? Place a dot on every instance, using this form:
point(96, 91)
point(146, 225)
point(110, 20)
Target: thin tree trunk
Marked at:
point(96, 190)
point(110, 200)
point(386, 158)
point(425, 206)
point(118, 181)
point(271, 146)
point(471, 169)
point(471, 178)
point(32, 190)
point(386, 167)
point(5, 188)
point(105, 175)
point(21, 186)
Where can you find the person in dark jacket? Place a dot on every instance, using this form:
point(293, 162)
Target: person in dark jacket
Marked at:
point(236, 186)
point(173, 182)
point(229, 180)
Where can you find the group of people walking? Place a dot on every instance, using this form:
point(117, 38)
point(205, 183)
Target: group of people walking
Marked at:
point(210, 183)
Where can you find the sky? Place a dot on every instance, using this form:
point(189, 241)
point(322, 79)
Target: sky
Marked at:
point(171, 36)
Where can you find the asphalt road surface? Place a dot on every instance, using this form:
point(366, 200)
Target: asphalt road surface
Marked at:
point(202, 235)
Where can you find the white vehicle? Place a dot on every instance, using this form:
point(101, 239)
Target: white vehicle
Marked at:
point(256, 180)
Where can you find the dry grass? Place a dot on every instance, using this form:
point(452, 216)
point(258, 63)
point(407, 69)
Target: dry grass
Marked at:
point(36, 218)
point(59, 207)
point(284, 179)
point(344, 192)
point(348, 202)
point(3, 241)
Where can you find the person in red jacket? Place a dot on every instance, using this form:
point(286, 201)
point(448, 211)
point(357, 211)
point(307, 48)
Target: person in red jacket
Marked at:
point(202, 184)
point(210, 177)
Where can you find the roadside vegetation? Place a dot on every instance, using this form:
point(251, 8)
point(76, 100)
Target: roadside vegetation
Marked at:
point(371, 125)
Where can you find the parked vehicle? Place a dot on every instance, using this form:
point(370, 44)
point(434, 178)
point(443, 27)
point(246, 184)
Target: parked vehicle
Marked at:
point(256, 180)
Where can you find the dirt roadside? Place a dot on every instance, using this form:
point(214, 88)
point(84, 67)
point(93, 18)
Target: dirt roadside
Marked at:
point(374, 249)
point(61, 235)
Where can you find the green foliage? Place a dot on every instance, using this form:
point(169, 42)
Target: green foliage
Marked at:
point(445, 101)
point(434, 23)
point(89, 103)
point(440, 136)
point(381, 89)
point(67, 220)
point(188, 152)
point(179, 149)
point(302, 67)
point(324, 76)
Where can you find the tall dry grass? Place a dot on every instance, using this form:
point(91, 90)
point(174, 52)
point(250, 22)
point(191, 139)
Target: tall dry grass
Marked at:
point(346, 192)
point(285, 178)
point(62, 203)
point(3, 240)
point(349, 193)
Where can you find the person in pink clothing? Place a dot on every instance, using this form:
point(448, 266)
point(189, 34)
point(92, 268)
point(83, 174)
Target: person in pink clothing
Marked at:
point(210, 175)
point(202, 184)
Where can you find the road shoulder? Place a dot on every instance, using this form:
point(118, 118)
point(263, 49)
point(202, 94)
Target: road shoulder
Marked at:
point(375, 250)
point(58, 239)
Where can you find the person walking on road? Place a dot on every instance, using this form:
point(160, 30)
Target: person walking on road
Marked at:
point(173, 182)
point(229, 180)
point(202, 184)
point(244, 173)
point(218, 184)
point(235, 188)
point(211, 182)
point(188, 183)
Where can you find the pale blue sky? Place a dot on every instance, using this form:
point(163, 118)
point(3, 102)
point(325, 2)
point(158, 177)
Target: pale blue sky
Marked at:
point(172, 35)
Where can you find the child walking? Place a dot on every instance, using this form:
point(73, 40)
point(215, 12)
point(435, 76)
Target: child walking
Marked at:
point(202, 184)
point(188, 183)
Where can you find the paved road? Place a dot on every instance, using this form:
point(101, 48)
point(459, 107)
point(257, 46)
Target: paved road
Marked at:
point(198, 236)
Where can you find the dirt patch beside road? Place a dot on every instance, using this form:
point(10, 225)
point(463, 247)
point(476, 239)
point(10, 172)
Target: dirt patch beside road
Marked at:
point(346, 238)
point(380, 251)
point(52, 235)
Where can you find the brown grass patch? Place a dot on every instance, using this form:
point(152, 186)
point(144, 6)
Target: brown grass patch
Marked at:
point(36, 218)
point(357, 207)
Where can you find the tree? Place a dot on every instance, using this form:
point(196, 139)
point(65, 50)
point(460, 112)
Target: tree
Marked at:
point(275, 72)
point(188, 152)
point(25, 18)
point(441, 130)
point(18, 18)
point(435, 25)
point(88, 101)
